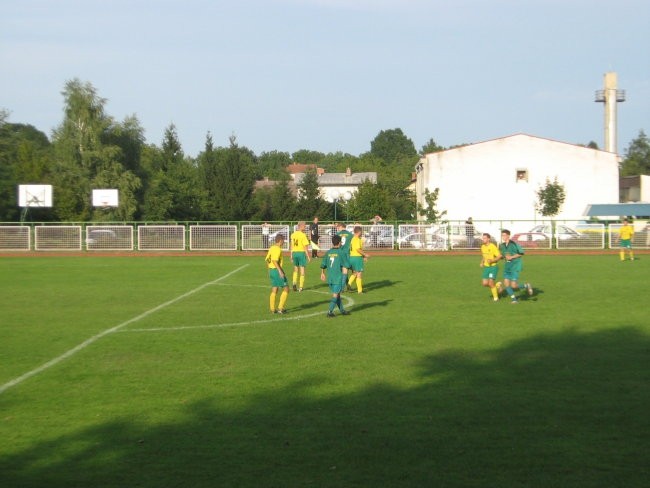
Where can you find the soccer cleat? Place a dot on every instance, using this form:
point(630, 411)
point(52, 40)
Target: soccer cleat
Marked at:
point(282, 311)
point(295, 288)
point(495, 299)
point(529, 289)
point(345, 312)
point(330, 315)
point(514, 301)
point(499, 287)
point(299, 289)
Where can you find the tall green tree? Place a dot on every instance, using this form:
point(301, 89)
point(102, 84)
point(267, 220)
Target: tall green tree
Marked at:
point(91, 152)
point(234, 189)
point(431, 147)
point(392, 146)
point(369, 200)
point(550, 198)
point(272, 164)
point(310, 200)
point(637, 157)
point(283, 201)
point(174, 192)
point(430, 210)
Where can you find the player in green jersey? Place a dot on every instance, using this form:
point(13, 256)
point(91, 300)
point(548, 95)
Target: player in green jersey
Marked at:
point(336, 262)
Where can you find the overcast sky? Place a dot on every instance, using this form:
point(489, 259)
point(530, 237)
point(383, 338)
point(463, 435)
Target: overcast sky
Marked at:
point(328, 75)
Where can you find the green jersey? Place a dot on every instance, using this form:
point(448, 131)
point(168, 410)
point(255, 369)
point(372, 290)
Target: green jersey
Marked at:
point(346, 240)
point(334, 261)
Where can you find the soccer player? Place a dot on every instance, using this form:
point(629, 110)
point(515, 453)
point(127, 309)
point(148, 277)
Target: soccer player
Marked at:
point(626, 233)
point(346, 240)
point(277, 275)
point(512, 253)
point(299, 255)
point(314, 236)
point(490, 257)
point(335, 261)
point(357, 257)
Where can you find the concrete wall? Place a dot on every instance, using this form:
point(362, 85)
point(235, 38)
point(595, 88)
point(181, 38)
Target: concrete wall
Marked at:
point(499, 179)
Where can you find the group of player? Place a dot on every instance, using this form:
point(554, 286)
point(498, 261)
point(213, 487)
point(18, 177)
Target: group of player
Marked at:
point(512, 253)
point(341, 266)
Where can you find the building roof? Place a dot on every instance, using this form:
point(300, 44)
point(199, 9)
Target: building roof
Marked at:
point(341, 179)
point(620, 209)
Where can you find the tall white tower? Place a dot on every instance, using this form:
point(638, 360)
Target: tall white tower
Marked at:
point(610, 96)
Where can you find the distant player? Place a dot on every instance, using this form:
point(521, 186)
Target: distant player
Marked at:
point(626, 233)
point(490, 257)
point(513, 254)
point(335, 262)
point(299, 255)
point(277, 275)
point(346, 241)
point(357, 258)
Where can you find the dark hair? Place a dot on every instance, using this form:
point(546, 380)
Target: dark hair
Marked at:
point(336, 240)
point(505, 231)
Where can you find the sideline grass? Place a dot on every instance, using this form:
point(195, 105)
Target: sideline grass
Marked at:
point(427, 383)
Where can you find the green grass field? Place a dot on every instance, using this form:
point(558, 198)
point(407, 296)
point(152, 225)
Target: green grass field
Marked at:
point(170, 371)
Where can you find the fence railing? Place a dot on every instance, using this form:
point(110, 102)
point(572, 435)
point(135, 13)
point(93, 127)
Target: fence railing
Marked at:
point(257, 237)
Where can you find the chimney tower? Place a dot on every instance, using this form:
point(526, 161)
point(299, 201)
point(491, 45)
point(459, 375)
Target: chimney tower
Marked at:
point(610, 96)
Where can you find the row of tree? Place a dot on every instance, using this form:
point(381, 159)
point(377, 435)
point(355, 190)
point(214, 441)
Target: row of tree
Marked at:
point(90, 150)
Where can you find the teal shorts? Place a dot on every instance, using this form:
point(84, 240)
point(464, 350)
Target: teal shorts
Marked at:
point(626, 243)
point(299, 258)
point(336, 287)
point(276, 279)
point(356, 263)
point(490, 272)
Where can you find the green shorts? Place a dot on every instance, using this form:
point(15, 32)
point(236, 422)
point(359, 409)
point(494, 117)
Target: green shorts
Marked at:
point(276, 279)
point(356, 263)
point(626, 243)
point(336, 287)
point(490, 272)
point(299, 258)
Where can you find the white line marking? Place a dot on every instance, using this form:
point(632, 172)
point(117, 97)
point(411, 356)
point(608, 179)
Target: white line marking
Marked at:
point(95, 338)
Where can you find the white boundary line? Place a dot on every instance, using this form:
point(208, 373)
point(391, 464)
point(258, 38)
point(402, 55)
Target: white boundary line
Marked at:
point(95, 338)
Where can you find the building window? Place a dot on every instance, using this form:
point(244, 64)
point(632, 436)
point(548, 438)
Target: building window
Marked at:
point(522, 175)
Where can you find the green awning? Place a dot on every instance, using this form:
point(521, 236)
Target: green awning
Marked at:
point(618, 209)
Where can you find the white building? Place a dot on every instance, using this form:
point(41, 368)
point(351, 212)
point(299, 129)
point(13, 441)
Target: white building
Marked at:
point(499, 179)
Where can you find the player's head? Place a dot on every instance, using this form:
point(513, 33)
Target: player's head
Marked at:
point(340, 226)
point(625, 221)
point(336, 241)
point(486, 237)
point(357, 230)
point(301, 225)
point(505, 235)
point(279, 239)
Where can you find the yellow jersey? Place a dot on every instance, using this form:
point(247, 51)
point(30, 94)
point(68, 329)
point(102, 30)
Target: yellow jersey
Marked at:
point(299, 241)
point(356, 246)
point(274, 254)
point(626, 232)
point(490, 252)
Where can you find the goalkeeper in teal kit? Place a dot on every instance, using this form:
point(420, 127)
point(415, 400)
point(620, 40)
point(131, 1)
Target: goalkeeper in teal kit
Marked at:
point(336, 263)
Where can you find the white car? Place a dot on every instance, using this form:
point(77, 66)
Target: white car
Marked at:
point(562, 232)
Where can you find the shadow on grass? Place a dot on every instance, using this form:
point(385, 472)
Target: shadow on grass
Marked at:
point(548, 411)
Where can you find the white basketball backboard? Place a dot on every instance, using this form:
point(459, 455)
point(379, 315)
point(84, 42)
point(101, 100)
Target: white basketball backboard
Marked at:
point(105, 198)
point(34, 195)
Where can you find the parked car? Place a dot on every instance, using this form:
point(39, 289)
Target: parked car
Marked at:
point(532, 239)
point(98, 235)
point(562, 232)
point(419, 240)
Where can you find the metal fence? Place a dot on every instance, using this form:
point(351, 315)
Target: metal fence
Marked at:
point(449, 236)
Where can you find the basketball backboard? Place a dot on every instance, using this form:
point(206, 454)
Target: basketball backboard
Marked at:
point(34, 196)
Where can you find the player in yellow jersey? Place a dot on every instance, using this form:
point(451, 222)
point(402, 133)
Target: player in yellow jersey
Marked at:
point(490, 256)
point(626, 233)
point(299, 255)
point(277, 275)
point(357, 258)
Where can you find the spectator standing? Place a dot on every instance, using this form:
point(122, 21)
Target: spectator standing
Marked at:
point(314, 236)
point(266, 228)
point(470, 231)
